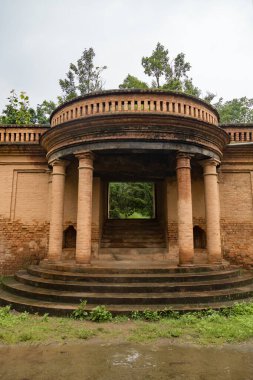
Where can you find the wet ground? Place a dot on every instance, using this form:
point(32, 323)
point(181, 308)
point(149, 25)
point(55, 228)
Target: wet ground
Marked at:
point(96, 360)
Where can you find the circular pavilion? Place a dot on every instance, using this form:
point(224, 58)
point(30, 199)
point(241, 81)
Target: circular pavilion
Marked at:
point(168, 139)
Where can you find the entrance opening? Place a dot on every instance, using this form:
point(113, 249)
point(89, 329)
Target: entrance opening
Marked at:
point(199, 237)
point(131, 200)
point(69, 237)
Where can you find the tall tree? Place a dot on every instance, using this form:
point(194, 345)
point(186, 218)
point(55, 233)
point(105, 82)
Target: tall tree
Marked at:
point(82, 78)
point(157, 65)
point(165, 73)
point(236, 110)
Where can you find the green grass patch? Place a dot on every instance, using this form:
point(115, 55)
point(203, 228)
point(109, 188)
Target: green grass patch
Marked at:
point(233, 324)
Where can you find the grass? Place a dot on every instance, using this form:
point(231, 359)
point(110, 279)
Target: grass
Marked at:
point(211, 327)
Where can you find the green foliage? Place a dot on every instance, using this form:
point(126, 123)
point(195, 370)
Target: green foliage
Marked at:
point(100, 314)
point(136, 315)
point(18, 110)
point(231, 324)
point(150, 315)
point(166, 73)
point(133, 82)
point(127, 198)
point(4, 312)
point(235, 110)
point(157, 65)
point(80, 312)
point(169, 313)
point(174, 72)
point(238, 309)
point(45, 317)
point(82, 78)
point(44, 110)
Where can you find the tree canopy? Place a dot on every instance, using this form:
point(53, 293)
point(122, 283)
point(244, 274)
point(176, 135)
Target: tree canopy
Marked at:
point(166, 73)
point(133, 82)
point(130, 199)
point(235, 111)
point(82, 78)
point(18, 110)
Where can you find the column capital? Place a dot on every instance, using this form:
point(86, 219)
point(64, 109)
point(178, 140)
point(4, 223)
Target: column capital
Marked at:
point(85, 160)
point(210, 166)
point(59, 162)
point(210, 162)
point(59, 167)
point(85, 154)
point(183, 160)
point(184, 155)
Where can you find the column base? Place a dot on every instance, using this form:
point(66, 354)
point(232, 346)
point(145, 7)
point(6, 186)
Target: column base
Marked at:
point(186, 265)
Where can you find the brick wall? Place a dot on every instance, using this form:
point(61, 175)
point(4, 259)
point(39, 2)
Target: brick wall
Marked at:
point(236, 198)
point(21, 244)
point(24, 202)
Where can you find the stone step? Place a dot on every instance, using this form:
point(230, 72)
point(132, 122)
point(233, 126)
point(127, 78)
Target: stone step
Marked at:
point(126, 275)
point(125, 253)
point(132, 287)
point(133, 235)
point(131, 244)
point(134, 230)
point(133, 238)
point(12, 286)
point(62, 309)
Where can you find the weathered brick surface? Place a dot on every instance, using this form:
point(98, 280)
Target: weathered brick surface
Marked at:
point(237, 242)
point(21, 244)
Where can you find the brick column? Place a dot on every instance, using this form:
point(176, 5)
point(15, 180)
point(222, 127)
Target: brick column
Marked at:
point(212, 206)
point(84, 208)
point(57, 209)
point(184, 209)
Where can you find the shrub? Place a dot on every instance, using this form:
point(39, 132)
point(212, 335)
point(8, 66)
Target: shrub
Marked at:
point(150, 315)
point(5, 311)
point(100, 314)
point(80, 312)
point(147, 315)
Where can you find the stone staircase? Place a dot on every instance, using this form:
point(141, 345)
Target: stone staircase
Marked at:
point(58, 289)
point(133, 233)
point(124, 238)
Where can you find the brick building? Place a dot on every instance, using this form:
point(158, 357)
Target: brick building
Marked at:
point(54, 182)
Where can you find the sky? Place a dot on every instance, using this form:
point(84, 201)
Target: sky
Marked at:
point(40, 38)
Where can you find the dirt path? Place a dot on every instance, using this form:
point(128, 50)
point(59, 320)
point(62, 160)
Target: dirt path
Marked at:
point(98, 360)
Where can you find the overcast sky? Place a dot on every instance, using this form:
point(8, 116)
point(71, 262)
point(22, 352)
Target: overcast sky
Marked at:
point(39, 39)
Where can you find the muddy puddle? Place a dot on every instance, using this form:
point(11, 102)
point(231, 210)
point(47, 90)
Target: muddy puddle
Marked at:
point(114, 361)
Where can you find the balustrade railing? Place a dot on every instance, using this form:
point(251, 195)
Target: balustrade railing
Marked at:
point(116, 102)
point(21, 134)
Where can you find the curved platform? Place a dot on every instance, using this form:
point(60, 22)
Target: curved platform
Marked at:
point(53, 289)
